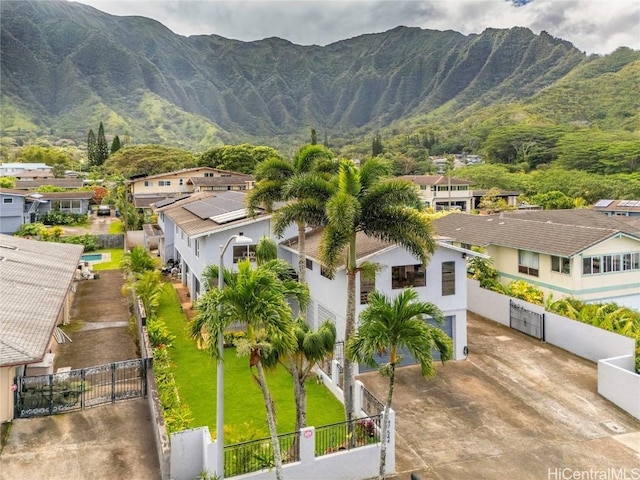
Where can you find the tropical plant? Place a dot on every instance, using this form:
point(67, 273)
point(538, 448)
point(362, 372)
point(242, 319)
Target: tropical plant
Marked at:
point(304, 184)
point(258, 298)
point(148, 288)
point(311, 348)
point(137, 261)
point(386, 326)
point(386, 209)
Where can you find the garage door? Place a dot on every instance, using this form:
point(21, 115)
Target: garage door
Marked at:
point(447, 326)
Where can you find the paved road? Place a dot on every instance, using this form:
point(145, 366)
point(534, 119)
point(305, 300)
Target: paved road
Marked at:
point(515, 409)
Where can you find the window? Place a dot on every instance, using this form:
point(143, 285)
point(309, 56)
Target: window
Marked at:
point(325, 272)
point(448, 278)
point(188, 241)
point(611, 263)
point(309, 263)
point(240, 252)
point(590, 265)
point(367, 285)
point(148, 183)
point(164, 183)
point(181, 182)
point(197, 247)
point(631, 261)
point(225, 174)
point(65, 205)
point(7, 201)
point(561, 265)
point(208, 174)
point(423, 187)
point(528, 263)
point(405, 276)
point(617, 262)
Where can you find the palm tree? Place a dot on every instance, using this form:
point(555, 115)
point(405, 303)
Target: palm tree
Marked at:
point(137, 261)
point(303, 182)
point(311, 348)
point(383, 208)
point(390, 325)
point(257, 297)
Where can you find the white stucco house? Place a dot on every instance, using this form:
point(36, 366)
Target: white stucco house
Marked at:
point(442, 282)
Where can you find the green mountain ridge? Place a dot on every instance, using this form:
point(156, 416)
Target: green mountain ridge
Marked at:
point(67, 66)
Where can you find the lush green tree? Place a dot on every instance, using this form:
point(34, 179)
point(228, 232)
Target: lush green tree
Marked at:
point(314, 138)
point(493, 203)
point(148, 160)
point(553, 200)
point(531, 144)
point(92, 151)
point(387, 209)
point(376, 145)
point(237, 158)
point(7, 182)
point(387, 326)
point(58, 170)
point(49, 189)
point(258, 298)
point(148, 287)
point(304, 184)
point(102, 148)
point(115, 144)
point(50, 155)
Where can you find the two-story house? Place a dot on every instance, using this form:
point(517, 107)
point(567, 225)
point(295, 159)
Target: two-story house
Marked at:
point(14, 209)
point(442, 192)
point(442, 282)
point(577, 253)
point(19, 169)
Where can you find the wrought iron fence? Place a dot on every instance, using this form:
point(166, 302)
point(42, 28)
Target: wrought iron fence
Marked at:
point(370, 403)
point(336, 437)
point(247, 457)
point(340, 376)
point(42, 395)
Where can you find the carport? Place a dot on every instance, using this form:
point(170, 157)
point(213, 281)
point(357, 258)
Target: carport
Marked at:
point(515, 408)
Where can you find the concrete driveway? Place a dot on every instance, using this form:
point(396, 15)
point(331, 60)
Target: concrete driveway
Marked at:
point(515, 409)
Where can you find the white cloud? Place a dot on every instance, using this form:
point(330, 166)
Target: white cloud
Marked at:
point(595, 26)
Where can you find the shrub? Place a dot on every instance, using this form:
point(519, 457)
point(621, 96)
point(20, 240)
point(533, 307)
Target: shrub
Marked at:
point(159, 334)
point(90, 242)
point(177, 415)
point(231, 337)
point(56, 217)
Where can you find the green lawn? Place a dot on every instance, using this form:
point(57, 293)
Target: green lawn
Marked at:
point(116, 227)
point(195, 375)
point(114, 263)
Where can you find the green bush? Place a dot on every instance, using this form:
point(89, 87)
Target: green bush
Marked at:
point(56, 217)
point(230, 338)
point(159, 334)
point(177, 415)
point(90, 242)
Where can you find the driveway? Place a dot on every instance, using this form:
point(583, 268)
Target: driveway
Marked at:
point(104, 442)
point(516, 408)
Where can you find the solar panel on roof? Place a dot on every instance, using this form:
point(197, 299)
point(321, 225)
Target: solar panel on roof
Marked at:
point(230, 216)
point(623, 203)
point(165, 202)
point(603, 203)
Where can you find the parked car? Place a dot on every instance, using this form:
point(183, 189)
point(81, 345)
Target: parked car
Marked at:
point(104, 210)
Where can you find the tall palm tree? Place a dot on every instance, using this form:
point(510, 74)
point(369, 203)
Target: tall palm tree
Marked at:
point(258, 298)
point(387, 209)
point(390, 325)
point(303, 183)
point(137, 261)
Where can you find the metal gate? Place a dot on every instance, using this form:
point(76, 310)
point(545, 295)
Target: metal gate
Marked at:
point(526, 321)
point(407, 358)
point(42, 395)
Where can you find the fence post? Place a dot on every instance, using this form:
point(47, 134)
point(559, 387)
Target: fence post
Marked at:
point(113, 383)
point(307, 445)
point(51, 394)
point(390, 467)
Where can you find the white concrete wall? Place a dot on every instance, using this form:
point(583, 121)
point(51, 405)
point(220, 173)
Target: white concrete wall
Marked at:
point(192, 452)
point(579, 338)
point(618, 383)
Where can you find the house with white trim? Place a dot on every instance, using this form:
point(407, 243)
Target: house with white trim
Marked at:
point(25, 170)
point(36, 288)
point(442, 282)
point(443, 192)
point(567, 253)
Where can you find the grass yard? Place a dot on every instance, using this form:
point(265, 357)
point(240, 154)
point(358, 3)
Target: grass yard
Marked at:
point(114, 263)
point(245, 414)
point(116, 227)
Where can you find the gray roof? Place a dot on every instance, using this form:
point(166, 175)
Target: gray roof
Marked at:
point(234, 179)
point(34, 280)
point(56, 182)
point(554, 232)
point(435, 180)
point(77, 195)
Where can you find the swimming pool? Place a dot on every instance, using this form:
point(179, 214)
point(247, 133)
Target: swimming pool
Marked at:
point(91, 257)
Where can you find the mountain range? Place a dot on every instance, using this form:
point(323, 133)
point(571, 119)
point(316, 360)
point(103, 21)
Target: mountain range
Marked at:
point(65, 67)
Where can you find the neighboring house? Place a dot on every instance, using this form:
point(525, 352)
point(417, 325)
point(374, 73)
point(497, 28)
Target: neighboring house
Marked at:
point(33, 175)
point(36, 285)
point(618, 208)
point(225, 181)
point(13, 209)
point(443, 193)
point(68, 183)
point(442, 282)
point(17, 168)
point(193, 229)
point(578, 253)
point(182, 181)
point(67, 202)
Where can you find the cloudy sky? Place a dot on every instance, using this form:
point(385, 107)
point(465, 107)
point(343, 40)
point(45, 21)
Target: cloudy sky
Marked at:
point(594, 26)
